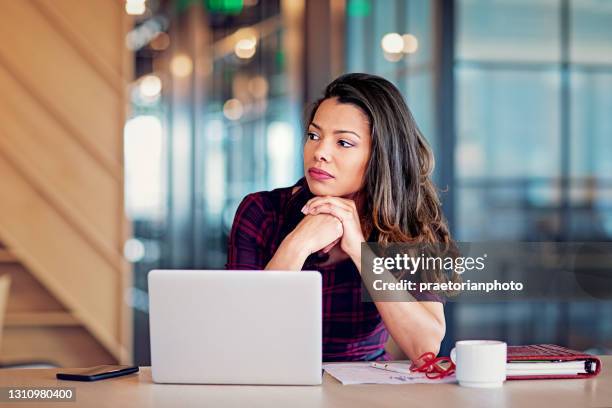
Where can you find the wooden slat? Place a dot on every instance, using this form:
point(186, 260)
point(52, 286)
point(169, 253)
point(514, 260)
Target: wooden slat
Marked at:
point(5, 284)
point(126, 321)
point(41, 60)
point(40, 319)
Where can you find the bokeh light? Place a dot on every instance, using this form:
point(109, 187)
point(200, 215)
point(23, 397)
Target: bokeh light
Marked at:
point(181, 66)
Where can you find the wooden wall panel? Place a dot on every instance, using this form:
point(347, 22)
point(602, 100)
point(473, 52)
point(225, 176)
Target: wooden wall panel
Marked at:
point(96, 23)
point(59, 258)
point(63, 80)
point(62, 346)
point(61, 167)
point(64, 69)
point(27, 295)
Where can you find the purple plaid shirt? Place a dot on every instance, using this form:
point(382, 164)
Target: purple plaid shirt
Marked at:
point(352, 329)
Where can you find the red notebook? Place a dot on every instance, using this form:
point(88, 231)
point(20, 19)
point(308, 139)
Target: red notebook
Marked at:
point(547, 361)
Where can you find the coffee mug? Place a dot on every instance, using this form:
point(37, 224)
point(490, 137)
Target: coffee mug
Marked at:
point(480, 363)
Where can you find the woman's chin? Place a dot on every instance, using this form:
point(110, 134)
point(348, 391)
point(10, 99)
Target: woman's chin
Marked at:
point(319, 189)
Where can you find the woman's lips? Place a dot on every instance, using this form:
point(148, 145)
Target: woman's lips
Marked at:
point(319, 174)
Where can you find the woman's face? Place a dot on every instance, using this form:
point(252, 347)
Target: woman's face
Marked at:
point(337, 149)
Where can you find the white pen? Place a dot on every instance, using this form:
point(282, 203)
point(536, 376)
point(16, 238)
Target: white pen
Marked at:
point(394, 367)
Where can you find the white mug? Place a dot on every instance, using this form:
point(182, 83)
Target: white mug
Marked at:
point(480, 363)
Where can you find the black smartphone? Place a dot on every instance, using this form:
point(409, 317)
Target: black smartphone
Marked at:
point(96, 373)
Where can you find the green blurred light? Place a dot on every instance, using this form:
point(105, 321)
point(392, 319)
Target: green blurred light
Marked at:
point(280, 59)
point(359, 8)
point(225, 6)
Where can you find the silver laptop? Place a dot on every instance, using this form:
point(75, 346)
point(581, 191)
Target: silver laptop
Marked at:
point(235, 327)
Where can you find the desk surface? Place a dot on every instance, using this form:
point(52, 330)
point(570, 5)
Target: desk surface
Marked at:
point(139, 390)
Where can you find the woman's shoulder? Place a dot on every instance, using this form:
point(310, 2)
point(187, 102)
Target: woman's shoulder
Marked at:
point(269, 203)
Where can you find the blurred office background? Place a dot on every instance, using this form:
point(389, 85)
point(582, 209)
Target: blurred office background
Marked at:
point(515, 97)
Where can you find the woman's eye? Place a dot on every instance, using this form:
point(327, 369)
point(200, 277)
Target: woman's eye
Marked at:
point(313, 136)
point(344, 143)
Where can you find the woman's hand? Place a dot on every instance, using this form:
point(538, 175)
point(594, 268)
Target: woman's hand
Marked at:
point(345, 211)
point(316, 232)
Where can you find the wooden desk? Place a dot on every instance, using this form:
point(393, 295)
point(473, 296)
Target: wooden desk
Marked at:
point(139, 390)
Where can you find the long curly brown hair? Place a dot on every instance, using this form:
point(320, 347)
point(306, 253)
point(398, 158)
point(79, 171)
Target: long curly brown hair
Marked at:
point(401, 202)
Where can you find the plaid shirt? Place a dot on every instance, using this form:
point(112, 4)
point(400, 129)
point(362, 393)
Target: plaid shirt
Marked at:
point(352, 329)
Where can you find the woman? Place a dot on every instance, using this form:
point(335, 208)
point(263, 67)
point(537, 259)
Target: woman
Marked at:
point(367, 174)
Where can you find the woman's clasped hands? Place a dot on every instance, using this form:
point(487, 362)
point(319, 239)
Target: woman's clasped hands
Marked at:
point(343, 210)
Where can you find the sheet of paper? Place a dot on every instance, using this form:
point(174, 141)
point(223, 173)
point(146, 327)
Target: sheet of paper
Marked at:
point(363, 373)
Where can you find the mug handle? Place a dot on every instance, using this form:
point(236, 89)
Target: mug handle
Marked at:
point(453, 355)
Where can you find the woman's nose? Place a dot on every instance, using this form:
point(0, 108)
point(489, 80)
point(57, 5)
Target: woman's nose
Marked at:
point(322, 153)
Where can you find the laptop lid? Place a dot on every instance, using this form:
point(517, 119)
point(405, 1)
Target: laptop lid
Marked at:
point(235, 327)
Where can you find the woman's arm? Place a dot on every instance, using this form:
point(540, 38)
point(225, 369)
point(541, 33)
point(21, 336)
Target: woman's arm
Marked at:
point(290, 255)
point(313, 233)
point(249, 230)
point(417, 327)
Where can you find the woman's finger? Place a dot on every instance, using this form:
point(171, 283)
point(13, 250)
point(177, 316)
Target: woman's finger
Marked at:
point(340, 213)
point(333, 201)
point(327, 199)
